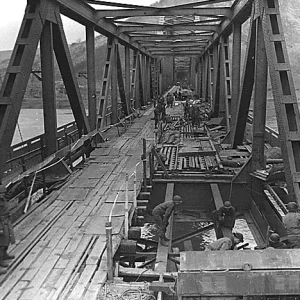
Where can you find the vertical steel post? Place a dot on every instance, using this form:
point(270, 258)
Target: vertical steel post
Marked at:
point(144, 165)
point(235, 73)
point(109, 253)
point(114, 87)
point(151, 167)
point(126, 221)
point(91, 76)
point(127, 78)
point(134, 189)
point(48, 86)
point(260, 99)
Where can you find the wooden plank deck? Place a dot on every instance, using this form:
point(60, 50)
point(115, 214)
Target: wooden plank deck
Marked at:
point(60, 243)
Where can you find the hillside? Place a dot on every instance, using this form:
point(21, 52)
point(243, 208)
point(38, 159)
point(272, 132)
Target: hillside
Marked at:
point(290, 11)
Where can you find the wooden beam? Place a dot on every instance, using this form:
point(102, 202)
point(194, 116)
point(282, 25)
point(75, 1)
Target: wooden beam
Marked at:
point(163, 251)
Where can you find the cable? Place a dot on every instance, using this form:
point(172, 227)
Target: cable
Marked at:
point(18, 125)
point(141, 275)
point(144, 295)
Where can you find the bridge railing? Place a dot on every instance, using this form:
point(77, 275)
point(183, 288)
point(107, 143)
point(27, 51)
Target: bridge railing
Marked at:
point(25, 155)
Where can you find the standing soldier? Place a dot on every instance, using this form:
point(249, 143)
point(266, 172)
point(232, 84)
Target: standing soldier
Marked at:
point(161, 214)
point(157, 112)
point(225, 220)
point(6, 231)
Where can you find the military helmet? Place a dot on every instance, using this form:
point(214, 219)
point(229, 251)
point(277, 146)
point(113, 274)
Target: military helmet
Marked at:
point(177, 198)
point(292, 206)
point(227, 204)
point(239, 236)
point(274, 237)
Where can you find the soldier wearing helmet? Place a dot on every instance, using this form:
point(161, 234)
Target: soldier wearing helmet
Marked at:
point(291, 222)
point(161, 214)
point(225, 220)
point(6, 231)
point(274, 241)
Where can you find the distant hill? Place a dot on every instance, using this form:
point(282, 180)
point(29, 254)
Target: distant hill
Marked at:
point(4, 59)
point(290, 11)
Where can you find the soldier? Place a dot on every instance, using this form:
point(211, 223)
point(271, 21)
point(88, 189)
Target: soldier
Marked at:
point(161, 214)
point(225, 220)
point(157, 113)
point(275, 243)
point(291, 222)
point(226, 243)
point(6, 231)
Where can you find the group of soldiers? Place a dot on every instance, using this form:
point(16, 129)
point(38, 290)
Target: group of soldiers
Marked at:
point(197, 112)
point(224, 220)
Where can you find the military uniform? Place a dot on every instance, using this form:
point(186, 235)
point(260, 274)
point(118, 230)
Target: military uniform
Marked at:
point(291, 222)
point(225, 219)
point(161, 214)
point(224, 243)
point(6, 230)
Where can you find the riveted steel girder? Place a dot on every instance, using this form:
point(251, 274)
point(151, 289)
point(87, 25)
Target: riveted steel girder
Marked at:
point(241, 11)
point(84, 14)
point(207, 11)
point(164, 37)
point(169, 28)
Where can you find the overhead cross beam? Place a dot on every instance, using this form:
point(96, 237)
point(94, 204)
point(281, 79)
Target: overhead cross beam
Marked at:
point(171, 28)
point(125, 13)
point(83, 13)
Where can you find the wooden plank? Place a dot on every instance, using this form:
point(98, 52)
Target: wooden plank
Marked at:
point(162, 251)
point(12, 280)
point(71, 267)
point(48, 287)
point(85, 277)
point(17, 290)
point(54, 244)
point(84, 183)
point(74, 194)
point(118, 210)
point(97, 251)
point(188, 246)
point(97, 225)
point(216, 195)
point(94, 287)
point(64, 259)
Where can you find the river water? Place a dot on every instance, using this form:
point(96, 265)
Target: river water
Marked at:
point(31, 123)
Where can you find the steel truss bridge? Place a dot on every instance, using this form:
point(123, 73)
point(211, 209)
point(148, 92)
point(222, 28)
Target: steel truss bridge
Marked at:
point(200, 41)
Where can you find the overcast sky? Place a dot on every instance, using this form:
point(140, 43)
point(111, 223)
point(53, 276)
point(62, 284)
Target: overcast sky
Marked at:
point(11, 15)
